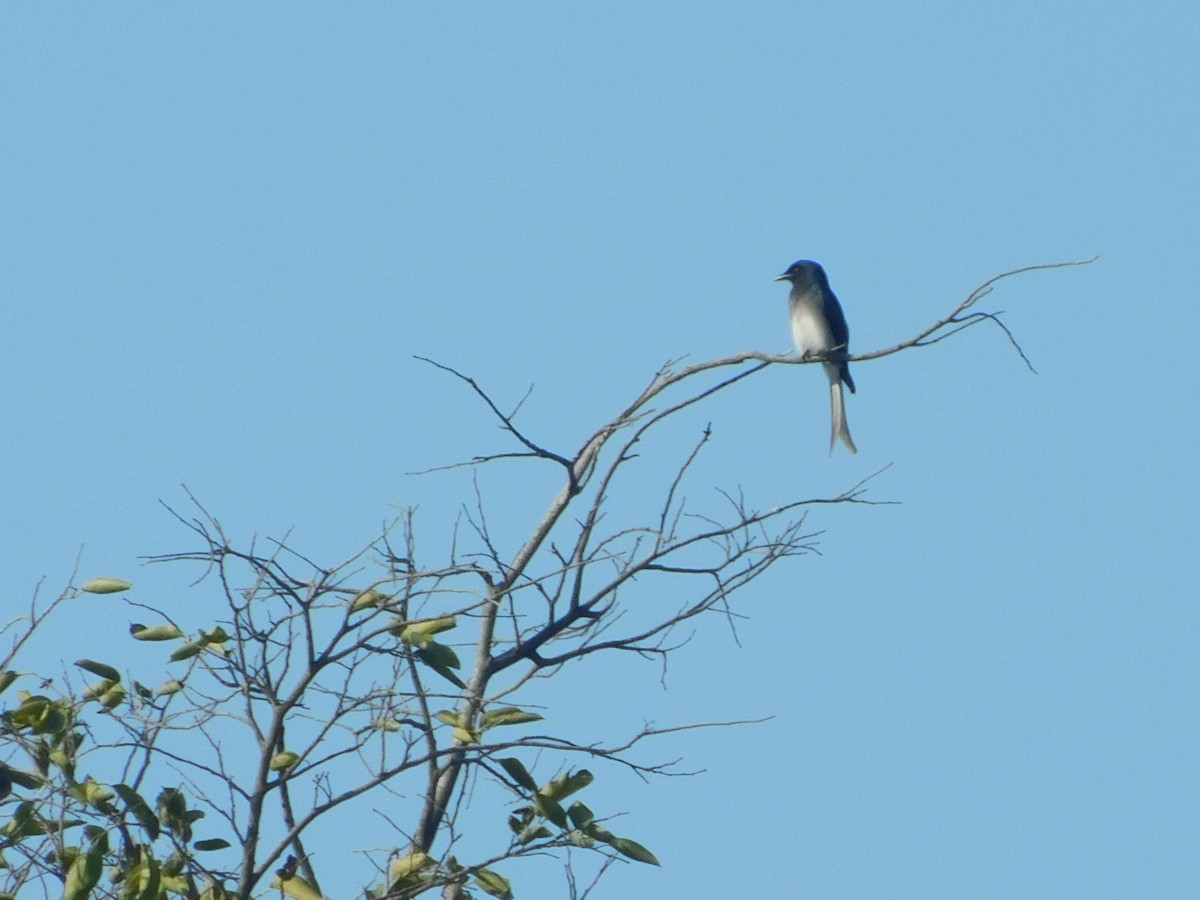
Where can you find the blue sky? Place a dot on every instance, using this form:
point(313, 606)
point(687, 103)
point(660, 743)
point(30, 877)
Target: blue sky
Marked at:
point(227, 231)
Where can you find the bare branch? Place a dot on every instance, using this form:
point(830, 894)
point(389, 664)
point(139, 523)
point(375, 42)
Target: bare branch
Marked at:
point(505, 420)
point(319, 686)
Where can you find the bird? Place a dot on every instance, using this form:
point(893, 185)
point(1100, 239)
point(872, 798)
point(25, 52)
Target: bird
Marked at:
point(819, 328)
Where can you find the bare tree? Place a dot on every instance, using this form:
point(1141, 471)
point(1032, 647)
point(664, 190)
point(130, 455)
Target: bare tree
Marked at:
point(387, 674)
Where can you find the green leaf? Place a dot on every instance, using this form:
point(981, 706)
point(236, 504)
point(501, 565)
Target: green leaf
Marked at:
point(22, 823)
point(580, 815)
point(143, 880)
point(155, 632)
point(496, 885)
point(214, 641)
point(442, 660)
point(94, 794)
point(173, 864)
point(418, 634)
point(60, 759)
point(214, 891)
point(211, 844)
point(438, 654)
point(566, 785)
point(97, 834)
point(368, 599)
point(533, 833)
point(187, 651)
point(283, 760)
point(8, 678)
point(113, 697)
point(449, 717)
point(140, 809)
point(106, 586)
point(39, 714)
point(550, 809)
point(405, 871)
point(466, 736)
point(171, 804)
point(55, 826)
point(176, 884)
point(27, 780)
point(518, 773)
point(97, 690)
point(634, 851)
point(509, 715)
point(601, 834)
point(84, 873)
point(295, 887)
point(108, 673)
point(580, 839)
point(167, 688)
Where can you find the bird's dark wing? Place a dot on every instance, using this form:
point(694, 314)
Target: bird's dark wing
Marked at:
point(840, 332)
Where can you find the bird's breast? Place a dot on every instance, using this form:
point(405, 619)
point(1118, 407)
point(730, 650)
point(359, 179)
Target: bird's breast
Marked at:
point(810, 328)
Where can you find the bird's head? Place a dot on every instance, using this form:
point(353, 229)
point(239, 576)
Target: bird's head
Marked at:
point(804, 273)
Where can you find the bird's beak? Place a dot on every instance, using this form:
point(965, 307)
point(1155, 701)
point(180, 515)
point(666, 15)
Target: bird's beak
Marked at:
point(782, 277)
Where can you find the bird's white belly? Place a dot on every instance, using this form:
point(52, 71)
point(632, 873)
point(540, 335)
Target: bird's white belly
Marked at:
point(810, 332)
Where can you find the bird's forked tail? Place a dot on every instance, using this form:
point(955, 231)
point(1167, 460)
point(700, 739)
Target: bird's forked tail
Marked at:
point(837, 404)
